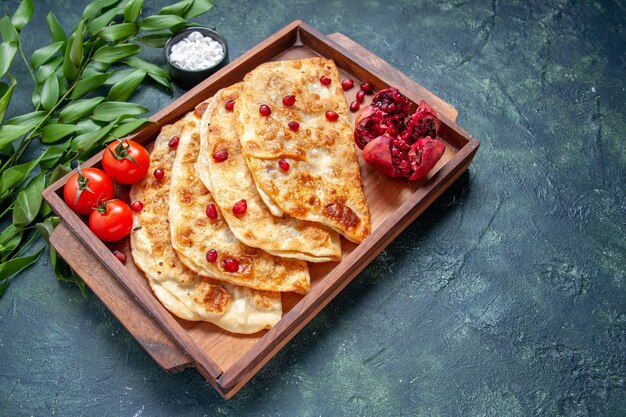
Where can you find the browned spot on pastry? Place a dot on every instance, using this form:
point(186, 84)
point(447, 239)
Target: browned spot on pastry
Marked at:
point(213, 298)
point(200, 109)
point(342, 214)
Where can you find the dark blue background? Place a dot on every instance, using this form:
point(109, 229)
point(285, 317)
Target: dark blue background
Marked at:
point(506, 298)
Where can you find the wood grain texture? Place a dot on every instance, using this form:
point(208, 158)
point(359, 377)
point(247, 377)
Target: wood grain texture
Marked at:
point(148, 332)
point(228, 360)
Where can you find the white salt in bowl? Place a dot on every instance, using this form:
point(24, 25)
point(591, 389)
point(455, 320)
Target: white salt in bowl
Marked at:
point(182, 75)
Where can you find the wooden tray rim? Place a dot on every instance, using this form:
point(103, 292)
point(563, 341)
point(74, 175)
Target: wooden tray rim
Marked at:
point(229, 382)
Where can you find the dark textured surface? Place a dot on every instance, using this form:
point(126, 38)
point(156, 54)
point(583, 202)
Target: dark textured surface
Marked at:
point(506, 298)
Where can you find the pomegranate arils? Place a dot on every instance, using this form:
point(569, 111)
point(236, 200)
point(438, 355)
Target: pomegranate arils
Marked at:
point(211, 211)
point(136, 206)
point(265, 110)
point(220, 156)
point(360, 96)
point(231, 265)
point(395, 146)
point(324, 80)
point(284, 165)
point(158, 174)
point(332, 116)
point(229, 105)
point(211, 255)
point(354, 106)
point(120, 256)
point(240, 207)
point(289, 101)
point(173, 143)
point(295, 126)
point(347, 84)
point(367, 88)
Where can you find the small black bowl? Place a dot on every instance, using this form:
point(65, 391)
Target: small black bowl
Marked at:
point(188, 78)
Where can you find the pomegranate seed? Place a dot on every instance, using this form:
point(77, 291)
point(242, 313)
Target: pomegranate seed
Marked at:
point(354, 106)
point(289, 100)
point(367, 87)
point(325, 80)
point(136, 206)
point(230, 105)
point(173, 143)
point(360, 96)
point(331, 116)
point(240, 207)
point(220, 156)
point(295, 126)
point(284, 165)
point(211, 211)
point(120, 256)
point(231, 265)
point(211, 255)
point(347, 84)
point(159, 174)
point(265, 110)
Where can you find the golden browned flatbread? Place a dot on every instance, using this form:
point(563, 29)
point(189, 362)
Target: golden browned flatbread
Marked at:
point(194, 233)
point(230, 181)
point(185, 294)
point(323, 183)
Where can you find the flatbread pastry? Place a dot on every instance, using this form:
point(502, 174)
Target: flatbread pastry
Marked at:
point(230, 181)
point(183, 293)
point(323, 183)
point(194, 234)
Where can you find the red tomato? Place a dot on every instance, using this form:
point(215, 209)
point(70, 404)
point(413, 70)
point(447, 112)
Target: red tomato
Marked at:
point(111, 220)
point(86, 188)
point(126, 161)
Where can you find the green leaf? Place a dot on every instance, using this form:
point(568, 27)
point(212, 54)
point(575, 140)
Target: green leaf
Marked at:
point(129, 127)
point(115, 33)
point(86, 142)
point(35, 97)
point(147, 66)
point(76, 47)
point(89, 84)
point(6, 92)
point(164, 81)
point(7, 53)
point(15, 176)
point(59, 172)
point(56, 131)
point(14, 266)
point(46, 227)
point(79, 109)
point(101, 21)
point(23, 14)
point(46, 70)
point(94, 8)
point(86, 126)
point(113, 53)
point(132, 10)
point(8, 133)
point(51, 157)
point(118, 75)
point(197, 8)
point(111, 110)
point(70, 71)
point(10, 238)
point(56, 30)
point(29, 120)
point(178, 9)
point(125, 88)
point(156, 40)
point(152, 23)
point(42, 55)
point(50, 92)
point(29, 201)
point(8, 31)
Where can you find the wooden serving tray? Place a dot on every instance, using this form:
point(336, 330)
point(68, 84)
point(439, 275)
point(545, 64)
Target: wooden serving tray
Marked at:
point(227, 360)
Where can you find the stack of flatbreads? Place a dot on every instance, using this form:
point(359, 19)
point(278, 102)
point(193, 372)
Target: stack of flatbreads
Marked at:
point(293, 216)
